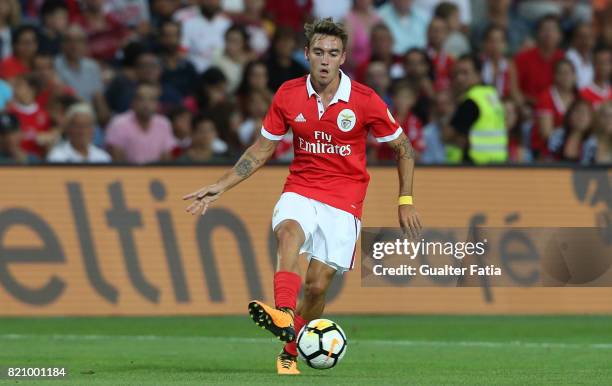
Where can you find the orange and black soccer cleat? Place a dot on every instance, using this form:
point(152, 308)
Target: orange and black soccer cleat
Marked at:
point(286, 364)
point(278, 322)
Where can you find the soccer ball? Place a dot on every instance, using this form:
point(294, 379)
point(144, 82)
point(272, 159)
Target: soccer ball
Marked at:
point(321, 344)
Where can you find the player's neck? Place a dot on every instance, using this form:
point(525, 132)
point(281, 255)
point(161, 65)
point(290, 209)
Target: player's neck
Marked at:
point(326, 91)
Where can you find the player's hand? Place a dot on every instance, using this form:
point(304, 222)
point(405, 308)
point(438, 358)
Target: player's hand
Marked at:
point(202, 198)
point(409, 220)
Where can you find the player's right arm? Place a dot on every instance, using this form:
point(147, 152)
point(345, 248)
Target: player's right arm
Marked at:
point(273, 128)
point(251, 160)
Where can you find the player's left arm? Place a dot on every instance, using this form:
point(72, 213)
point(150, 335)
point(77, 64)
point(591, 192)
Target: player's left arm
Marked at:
point(405, 156)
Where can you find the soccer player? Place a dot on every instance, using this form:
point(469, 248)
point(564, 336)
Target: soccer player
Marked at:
point(319, 211)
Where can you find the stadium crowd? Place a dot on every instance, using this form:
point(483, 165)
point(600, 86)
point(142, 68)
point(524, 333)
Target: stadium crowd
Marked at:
point(190, 81)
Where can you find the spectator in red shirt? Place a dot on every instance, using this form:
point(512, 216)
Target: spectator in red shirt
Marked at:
point(552, 106)
point(37, 136)
point(497, 70)
point(404, 96)
point(10, 143)
point(535, 65)
point(290, 13)
point(25, 46)
point(51, 86)
point(442, 62)
point(600, 91)
point(105, 35)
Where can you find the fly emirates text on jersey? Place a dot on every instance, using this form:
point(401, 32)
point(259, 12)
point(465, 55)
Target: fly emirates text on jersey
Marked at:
point(323, 145)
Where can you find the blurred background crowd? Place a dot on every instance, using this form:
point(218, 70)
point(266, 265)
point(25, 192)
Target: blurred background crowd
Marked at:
point(189, 81)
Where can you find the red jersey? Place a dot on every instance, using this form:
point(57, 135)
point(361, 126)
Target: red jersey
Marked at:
point(104, 42)
point(289, 13)
point(549, 103)
point(32, 120)
point(413, 128)
point(329, 145)
point(596, 95)
point(12, 67)
point(500, 79)
point(442, 65)
point(535, 73)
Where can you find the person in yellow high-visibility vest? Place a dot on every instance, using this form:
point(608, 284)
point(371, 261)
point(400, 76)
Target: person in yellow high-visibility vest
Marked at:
point(479, 117)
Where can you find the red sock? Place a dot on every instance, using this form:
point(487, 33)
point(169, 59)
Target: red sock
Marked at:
point(286, 289)
point(298, 323)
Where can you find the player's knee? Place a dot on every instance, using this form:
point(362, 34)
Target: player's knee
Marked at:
point(289, 234)
point(314, 290)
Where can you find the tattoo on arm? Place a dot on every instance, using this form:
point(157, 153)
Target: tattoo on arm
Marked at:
point(247, 165)
point(244, 167)
point(254, 158)
point(403, 149)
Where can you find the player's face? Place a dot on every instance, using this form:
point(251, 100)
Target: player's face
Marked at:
point(326, 54)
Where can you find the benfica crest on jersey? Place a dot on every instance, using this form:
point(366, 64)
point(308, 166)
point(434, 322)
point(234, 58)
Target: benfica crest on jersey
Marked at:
point(346, 120)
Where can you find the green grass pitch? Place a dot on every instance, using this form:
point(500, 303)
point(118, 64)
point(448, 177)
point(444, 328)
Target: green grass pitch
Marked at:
point(383, 350)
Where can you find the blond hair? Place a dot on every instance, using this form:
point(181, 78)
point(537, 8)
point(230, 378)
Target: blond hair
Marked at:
point(328, 27)
point(79, 108)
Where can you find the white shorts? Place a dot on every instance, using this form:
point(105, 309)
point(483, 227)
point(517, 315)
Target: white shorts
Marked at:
point(331, 233)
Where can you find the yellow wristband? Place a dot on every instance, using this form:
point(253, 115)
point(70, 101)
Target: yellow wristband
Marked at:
point(405, 200)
